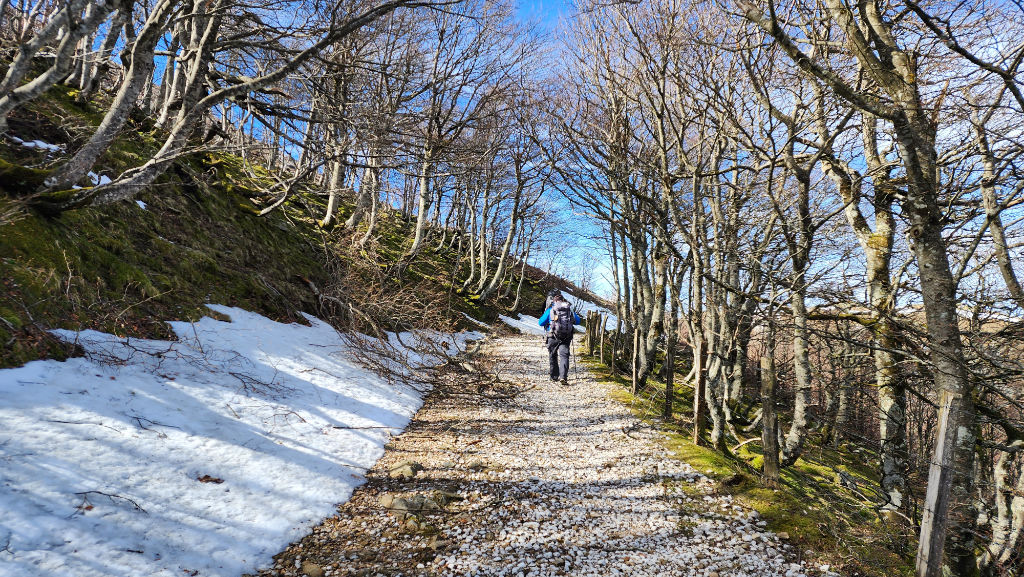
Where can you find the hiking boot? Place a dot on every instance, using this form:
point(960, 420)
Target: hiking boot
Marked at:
point(564, 382)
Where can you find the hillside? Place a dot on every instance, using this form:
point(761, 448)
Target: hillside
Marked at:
point(196, 238)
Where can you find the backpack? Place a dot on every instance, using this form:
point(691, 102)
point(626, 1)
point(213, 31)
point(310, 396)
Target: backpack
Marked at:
point(561, 321)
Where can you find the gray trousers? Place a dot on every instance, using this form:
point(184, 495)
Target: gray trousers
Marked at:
point(558, 354)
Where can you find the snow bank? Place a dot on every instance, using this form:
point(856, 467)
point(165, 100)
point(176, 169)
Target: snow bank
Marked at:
point(525, 323)
point(582, 307)
point(528, 325)
point(209, 454)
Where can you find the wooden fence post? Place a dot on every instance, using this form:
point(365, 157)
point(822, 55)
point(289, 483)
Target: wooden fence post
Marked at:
point(769, 421)
point(592, 324)
point(940, 480)
point(635, 357)
point(699, 407)
point(670, 374)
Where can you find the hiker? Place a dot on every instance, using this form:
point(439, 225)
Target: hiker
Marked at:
point(559, 320)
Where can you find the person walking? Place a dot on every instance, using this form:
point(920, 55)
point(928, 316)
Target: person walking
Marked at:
point(559, 321)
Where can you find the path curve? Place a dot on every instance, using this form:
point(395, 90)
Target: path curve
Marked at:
point(557, 481)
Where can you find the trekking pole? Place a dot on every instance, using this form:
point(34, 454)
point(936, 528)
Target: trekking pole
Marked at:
point(575, 369)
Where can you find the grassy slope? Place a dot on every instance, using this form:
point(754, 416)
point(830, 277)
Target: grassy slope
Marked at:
point(821, 517)
point(124, 269)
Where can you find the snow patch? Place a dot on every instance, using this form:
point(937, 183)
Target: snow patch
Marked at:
point(99, 179)
point(210, 453)
point(38, 144)
point(582, 307)
point(476, 322)
point(525, 323)
point(141, 204)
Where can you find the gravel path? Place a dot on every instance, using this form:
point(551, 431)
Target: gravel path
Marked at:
point(555, 481)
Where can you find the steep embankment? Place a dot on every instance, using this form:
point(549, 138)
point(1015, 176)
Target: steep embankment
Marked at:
point(194, 238)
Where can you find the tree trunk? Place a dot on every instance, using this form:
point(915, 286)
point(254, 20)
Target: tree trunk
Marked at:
point(423, 207)
point(140, 72)
point(506, 246)
point(98, 70)
point(797, 434)
point(13, 95)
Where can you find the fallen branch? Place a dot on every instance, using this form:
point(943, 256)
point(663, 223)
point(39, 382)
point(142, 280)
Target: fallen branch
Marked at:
point(87, 505)
point(747, 442)
point(80, 423)
point(138, 421)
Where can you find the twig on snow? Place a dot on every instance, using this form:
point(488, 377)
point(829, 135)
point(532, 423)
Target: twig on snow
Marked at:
point(87, 505)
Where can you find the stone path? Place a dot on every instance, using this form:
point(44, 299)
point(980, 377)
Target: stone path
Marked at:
point(555, 481)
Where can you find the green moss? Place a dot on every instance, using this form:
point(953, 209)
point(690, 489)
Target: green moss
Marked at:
point(17, 180)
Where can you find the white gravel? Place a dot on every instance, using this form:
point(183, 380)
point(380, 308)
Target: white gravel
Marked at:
point(583, 497)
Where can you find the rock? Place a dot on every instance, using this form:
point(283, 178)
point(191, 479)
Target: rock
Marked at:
point(310, 569)
point(444, 498)
point(783, 535)
point(401, 507)
point(405, 470)
point(437, 544)
point(386, 500)
point(476, 465)
point(733, 480)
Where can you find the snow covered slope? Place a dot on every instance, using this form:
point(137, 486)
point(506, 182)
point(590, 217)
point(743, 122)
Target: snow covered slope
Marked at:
point(209, 454)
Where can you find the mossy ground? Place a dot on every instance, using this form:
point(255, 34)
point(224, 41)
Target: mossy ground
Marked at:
point(832, 522)
point(126, 269)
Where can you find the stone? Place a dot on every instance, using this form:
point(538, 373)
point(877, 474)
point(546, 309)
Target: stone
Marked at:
point(783, 535)
point(476, 465)
point(310, 569)
point(444, 498)
point(401, 507)
point(405, 470)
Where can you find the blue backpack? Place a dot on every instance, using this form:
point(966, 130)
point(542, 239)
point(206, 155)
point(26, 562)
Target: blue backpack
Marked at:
point(561, 321)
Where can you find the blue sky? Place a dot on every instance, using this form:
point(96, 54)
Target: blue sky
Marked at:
point(546, 11)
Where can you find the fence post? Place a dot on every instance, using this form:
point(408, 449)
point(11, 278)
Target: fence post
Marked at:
point(940, 480)
point(699, 407)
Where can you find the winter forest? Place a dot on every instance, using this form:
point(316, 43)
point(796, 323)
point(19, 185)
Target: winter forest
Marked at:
point(805, 215)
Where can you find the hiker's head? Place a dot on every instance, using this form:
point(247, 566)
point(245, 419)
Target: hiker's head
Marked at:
point(557, 297)
point(554, 293)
